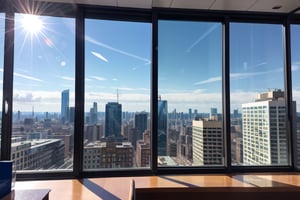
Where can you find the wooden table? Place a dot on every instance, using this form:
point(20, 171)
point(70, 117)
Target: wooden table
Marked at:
point(255, 186)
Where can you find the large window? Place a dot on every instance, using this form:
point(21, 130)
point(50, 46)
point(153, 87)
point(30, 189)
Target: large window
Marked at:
point(258, 108)
point(190, 128)
point(2, 19)
point(117, 94)
point(295, 57)
point(199, 78)
point(43, 93)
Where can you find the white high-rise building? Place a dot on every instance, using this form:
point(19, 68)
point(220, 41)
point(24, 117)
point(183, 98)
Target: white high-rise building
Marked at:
point(207, 142)
point(265, 140)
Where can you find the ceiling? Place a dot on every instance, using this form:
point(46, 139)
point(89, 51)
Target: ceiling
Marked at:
point(285, 6)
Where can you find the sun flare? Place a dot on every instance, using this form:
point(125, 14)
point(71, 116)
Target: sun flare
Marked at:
point(32, 24)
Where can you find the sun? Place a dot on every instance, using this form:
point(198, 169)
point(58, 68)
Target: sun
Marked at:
point(32, 24)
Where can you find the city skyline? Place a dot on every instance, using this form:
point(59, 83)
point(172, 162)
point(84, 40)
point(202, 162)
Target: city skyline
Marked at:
point(52, 59)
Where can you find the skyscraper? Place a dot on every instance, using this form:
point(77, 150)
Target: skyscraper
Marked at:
point(213, 113)
point(94, 114)
point(113, 119)
point(140, 122)
point(265, 140)
point(65, 105)
point(162, 129)
point(207, 142)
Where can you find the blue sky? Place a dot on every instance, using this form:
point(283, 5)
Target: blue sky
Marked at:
point(118, 58)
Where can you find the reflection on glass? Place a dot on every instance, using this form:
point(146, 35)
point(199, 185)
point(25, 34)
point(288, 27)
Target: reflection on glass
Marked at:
point(258, 111)
point(117, 94)
point(295, 57)
point(2, 20)
point(190, 94)
point(43, 93)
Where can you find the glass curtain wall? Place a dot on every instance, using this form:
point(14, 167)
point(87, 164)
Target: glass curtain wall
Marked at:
point(190, 127)
point(295, 58)
point(2, 31)
point(117, 95)
point(43, 93)
point(258, 109)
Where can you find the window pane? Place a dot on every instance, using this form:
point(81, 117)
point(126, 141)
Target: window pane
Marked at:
point(43, 93)
point(117, 94)
point(2, 27)
point(190, 94)
point(295, 56)
point(258, 118)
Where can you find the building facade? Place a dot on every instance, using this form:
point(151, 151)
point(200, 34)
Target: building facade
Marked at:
point(65, 95)
point(162, 128)
point(140, 123)
point(265, 140)
point(108, 154)
point(113, 119)
point(207, 142)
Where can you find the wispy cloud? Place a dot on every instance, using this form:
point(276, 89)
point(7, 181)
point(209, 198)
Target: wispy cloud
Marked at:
point(210, 80)
point(27, 77)
point(237, 76)
point(131, 89)
point(67, 78)
point(98, 78)
point(202, 37)
point(93, 41)
point(98, 55)
point(28, 98)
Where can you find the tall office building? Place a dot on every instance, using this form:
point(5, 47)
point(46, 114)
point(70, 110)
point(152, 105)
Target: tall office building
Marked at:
point(65, 105)
point(265, 140)
point(162, 129)
point(113, 119)
point(190, 114)
point(143, 150)
point(93, 114)
point(207, 142)
point(140, 123)
point(72, 114)
point(213, 113)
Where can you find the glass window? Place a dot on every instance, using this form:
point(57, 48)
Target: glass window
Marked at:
point(2, 31)
point(117, 94)
point(295, 58)
point(43, 92)
point(190, 94)
point(257, 86)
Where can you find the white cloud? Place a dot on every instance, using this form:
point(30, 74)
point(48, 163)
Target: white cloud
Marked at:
point(236, 76)
point(93, 41)
point(210, 80)
point(130, 89)
point(27, 77)
point(98, 55)
point(98, 78)
point(67, 78)
point(42, 101)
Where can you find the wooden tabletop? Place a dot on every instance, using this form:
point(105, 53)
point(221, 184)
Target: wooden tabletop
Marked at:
point(119, 187)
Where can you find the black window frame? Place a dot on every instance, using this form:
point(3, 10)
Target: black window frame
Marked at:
point(80, 12)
